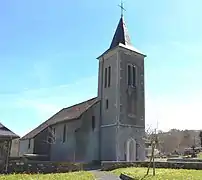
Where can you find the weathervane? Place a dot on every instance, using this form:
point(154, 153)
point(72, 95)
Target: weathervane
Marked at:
point(122, 8)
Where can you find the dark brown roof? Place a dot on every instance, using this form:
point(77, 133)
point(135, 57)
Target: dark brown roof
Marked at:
point(121, 35)
point(69, 113)
point(6, 133)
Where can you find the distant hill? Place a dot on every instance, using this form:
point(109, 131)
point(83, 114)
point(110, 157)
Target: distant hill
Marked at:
point(178, 140)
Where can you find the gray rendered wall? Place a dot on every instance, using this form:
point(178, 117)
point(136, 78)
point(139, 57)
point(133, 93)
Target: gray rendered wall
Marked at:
point(80, 146)
point(109, 116)
point(131, 126)
point(124, 134)
point(23, 147)
point(128, 57)
point(41, 145)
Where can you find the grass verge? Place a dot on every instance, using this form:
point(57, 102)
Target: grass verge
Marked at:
point(200, 155)
point(163, 174)
point(60, 176)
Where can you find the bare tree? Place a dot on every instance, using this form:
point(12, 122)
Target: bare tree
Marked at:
point(152, 137)
point(51, 136)
point(5, 148)
point(200, 136)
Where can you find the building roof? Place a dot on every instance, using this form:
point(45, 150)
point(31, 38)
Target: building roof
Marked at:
point(6, 133)
point(121, 35)
point(131, 48)
point(121, 39)
point(69, 113)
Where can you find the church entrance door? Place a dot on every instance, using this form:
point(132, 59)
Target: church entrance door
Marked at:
point(131, 150)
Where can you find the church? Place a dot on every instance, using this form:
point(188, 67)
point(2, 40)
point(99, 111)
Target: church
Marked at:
point(109, 127)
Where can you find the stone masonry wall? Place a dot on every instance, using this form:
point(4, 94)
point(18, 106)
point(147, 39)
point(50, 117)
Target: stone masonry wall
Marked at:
point(107, 166)
point(43, 167)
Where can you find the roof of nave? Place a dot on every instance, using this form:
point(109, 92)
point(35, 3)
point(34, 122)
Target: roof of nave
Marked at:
point(65, 114)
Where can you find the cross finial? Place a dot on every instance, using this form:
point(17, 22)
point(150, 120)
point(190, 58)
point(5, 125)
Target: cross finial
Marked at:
point(122, 8)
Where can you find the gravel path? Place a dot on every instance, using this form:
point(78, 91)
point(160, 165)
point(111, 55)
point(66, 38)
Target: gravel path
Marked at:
point(101, 175)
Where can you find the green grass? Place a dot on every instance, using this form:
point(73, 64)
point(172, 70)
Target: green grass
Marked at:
point(161, 174)
point(66, 176)
point(199, 155)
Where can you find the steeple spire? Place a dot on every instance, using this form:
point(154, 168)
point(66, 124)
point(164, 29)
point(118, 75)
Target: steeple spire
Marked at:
point(121, 35)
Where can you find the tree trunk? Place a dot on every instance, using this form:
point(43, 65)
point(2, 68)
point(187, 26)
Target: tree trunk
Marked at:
point(8, 148)
point(151, 158)
point(201, 141)
point(153, 161)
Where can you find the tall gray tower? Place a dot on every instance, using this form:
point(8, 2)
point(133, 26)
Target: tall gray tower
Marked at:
point(122, 97)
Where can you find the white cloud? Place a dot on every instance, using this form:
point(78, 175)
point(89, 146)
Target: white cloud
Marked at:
point(175, 112)
point(170, 110)
point(41, 107)
point(47, 101)
point(176, 101)
point(190, 48)
point(180, 109)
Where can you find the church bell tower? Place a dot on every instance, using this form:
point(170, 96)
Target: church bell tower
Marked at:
point(122, 99)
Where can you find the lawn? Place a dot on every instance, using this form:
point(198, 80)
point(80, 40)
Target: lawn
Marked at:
point(200, 155)
point(66, 176)
point(163, 174)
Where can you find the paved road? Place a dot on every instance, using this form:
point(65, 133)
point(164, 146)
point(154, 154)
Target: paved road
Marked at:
point(101, 175)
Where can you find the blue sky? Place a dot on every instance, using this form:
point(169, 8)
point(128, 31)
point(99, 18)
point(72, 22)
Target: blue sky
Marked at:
point(48, 53)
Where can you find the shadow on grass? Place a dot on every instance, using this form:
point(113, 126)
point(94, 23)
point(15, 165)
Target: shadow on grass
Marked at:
point(144, 177)
point(126, 177)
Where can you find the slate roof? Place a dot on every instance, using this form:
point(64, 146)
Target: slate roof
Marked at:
point(132, 49)
point(65, 114)
point(121, 35)
point(121, 38)
point(7, 133)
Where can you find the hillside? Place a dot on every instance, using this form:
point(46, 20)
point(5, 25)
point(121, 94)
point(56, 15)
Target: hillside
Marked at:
point(178, 140)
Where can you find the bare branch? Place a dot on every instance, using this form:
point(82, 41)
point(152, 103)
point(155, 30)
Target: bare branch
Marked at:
point(51, 136)
point(153, 139)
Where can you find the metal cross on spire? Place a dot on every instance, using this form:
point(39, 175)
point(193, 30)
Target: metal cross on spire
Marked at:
point(122, 8)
